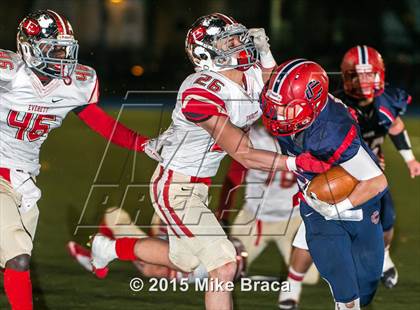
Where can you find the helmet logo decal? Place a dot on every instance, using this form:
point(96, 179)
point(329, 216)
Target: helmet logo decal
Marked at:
point(313, 88)
point(31, 27)
point(198, 33)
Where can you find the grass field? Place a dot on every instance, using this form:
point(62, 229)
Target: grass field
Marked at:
point(70, 160)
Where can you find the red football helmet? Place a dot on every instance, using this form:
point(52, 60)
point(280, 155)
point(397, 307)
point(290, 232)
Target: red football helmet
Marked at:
point(363, 72)
point(218, 42)
point(46, 43)
point(294, 97)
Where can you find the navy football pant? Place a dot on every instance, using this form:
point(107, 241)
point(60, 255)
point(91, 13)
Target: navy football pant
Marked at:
point(349, 255)
point(387, 211)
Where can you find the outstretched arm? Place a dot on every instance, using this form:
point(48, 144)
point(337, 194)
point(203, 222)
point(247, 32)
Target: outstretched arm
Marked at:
point(102, 123)
point(117, 133)
point(237, 144)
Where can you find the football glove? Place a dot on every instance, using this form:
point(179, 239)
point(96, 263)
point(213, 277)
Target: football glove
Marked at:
point(306, 162)
point(152, 147)
point(338, 211)
point(262, 46)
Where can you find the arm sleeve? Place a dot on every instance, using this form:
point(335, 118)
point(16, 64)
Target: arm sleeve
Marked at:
point(100, 122)
point(362, 166)
point(199, 104)
point(336, 144)
point(235, 177)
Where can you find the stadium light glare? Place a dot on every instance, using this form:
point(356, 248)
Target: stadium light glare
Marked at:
point(137, 70)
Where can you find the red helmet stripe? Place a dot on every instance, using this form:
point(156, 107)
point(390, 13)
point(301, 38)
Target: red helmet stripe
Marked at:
point(61, 25)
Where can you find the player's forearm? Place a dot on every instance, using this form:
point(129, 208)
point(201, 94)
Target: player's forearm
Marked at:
point(401, 140)
point(261, 160)
point(110, 129)
point(368, 189)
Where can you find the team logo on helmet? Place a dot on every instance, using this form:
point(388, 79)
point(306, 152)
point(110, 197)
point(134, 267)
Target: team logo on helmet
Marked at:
point(313, 88)
point(31, 27)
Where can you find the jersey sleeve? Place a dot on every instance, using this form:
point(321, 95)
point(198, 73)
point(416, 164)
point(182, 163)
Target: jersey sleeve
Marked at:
point(8, 65)
point(199, 104)
point(87, 82)
point(362, 166)
point(391, 104)
point(335, 142)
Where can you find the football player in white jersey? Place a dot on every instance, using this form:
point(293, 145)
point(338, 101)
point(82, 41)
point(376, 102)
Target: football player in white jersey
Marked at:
point(39, 86)
point(269, 214)
point(215, 106)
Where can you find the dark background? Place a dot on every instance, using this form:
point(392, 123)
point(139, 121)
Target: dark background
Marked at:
point(115, 35)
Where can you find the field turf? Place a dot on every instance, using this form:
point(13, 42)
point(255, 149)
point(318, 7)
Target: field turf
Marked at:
point(71, 160)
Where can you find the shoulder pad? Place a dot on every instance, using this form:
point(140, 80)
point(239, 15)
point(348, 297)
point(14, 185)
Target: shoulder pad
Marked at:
point(84, 74)
point(9, 64)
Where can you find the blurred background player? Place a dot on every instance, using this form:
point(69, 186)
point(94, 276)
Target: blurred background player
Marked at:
point(379, 108)
point(268, 214)
point(39, 86)
point(345, 239)
point(117, 223)
point(214, 107)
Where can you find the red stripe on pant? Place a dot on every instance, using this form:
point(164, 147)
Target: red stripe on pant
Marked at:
point(155, 195)
point(174, 216)
point(5, 174)
point(259, 231)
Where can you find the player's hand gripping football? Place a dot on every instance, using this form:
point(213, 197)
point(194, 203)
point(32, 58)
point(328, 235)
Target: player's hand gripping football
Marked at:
point(307, 162)
point(414, 168)
point(330, 211)
point(153, 146)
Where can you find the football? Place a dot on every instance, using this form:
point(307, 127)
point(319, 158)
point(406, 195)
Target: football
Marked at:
point(333, 186)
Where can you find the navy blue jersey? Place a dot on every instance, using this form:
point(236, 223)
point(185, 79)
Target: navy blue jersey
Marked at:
point(333, 137)
point(375, 119)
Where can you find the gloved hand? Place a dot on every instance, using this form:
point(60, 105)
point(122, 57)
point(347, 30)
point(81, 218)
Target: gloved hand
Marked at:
point(153, 146)
point(307, 162)
point(263, 47)
point(336, 211)
point(260, 39)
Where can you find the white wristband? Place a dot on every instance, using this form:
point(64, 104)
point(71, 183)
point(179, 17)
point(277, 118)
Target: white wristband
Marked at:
point(291, 163)
point(267, 60)
point(344, 205)
point(407, 155)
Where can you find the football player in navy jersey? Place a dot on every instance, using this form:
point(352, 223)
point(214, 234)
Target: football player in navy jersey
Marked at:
point(379, 108)
point(345, 239)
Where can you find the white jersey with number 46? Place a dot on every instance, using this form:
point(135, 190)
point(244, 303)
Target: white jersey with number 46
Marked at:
point(29, 110)
point(203, 94)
